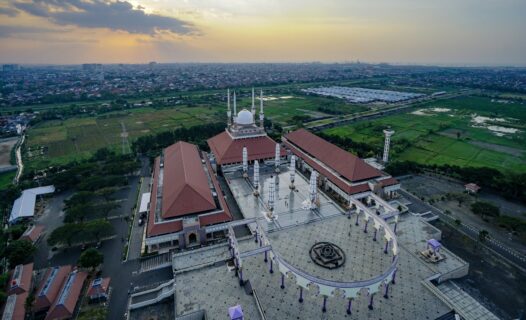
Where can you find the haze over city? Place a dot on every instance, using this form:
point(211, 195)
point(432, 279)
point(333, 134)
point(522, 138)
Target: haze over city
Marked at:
point(450, 32)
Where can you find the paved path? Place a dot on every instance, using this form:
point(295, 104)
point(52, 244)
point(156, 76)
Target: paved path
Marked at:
point(510, 254)
point(136, 236)
point(19, 162)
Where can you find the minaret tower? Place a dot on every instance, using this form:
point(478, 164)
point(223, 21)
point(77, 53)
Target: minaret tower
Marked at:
point(277, 157)
point(253, 110)
point(245, 162)
point(388, 133)
point(256, 178)
point(235, 108)
point(228, 111)
point(271, 196)
point(292, 170)
point(313, 188)
point(261, 113)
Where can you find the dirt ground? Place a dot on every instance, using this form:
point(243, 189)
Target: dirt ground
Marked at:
point(434, 188)
point(500, 286)
point(5, 151)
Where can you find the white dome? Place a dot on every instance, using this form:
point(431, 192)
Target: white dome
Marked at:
point(244, 117)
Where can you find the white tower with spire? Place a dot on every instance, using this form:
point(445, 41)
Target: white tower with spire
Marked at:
point(245, 162)
point(277, 157)
point(388, 133)
point(253, 109)
point(228, 111)
point(235, 108)
point(256, 178)
point(313, 189)
point(261, 113)
point(292, 170)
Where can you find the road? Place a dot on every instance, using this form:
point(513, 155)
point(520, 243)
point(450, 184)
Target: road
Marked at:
point(506, 252)
point(19, 159)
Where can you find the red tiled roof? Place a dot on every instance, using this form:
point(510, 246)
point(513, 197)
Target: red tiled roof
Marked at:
point(344, 163)
point(46, 296)
point(227, 150)
point(389, 182)
point(64, 305)
point(185, 188)
point(21, 279)
point(95, 290)
point(16, 304)
point(33, 233)
point(155, 228)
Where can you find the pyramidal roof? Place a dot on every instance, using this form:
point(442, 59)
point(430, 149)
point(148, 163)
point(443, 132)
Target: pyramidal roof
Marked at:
point(185, 188)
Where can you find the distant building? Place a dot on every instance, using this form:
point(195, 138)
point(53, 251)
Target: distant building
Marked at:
point(10, 67)
point(472, 188)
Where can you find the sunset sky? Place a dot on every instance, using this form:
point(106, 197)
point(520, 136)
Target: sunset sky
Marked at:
point(447, 32)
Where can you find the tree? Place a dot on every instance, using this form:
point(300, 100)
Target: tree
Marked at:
point(84, 232)
point(107, 207)
point(20, 251)
point(458, 222)
point(483, 236)
point(485, 209)
point(91, 258)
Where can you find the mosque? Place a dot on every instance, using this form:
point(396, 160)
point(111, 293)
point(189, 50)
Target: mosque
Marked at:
point(300, 229)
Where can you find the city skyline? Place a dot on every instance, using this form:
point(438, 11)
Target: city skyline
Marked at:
point(406, 32)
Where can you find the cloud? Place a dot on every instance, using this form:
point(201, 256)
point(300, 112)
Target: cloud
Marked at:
point(114, 15)
point(10, 12)
point(8, 31)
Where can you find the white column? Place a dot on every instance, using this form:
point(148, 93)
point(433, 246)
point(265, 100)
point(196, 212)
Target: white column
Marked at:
point(292, 170)
point(388, 133)
point(253, 106)
point(271, 196)
point(235, 107)
point(277, 157)
point(256, 178)
point(313, 189)
point(245, 162)
point(261, 113)
point(228, 111)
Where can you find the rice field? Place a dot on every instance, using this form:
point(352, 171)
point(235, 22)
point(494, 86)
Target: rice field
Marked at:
point(449, 132)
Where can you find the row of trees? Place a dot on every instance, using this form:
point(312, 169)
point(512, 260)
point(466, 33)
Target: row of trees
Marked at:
point(71, 234)
point(153, 144)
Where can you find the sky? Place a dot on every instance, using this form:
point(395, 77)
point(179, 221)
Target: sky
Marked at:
point(439, 32)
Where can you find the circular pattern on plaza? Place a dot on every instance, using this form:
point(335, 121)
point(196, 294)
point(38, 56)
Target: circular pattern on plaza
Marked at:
point(327, 255)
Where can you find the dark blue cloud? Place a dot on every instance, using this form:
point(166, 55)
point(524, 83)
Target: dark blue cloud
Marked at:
point(11, 12)
point(115, 15)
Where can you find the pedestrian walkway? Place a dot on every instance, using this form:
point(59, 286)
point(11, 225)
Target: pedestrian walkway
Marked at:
point(156, 262)
point(464, 303)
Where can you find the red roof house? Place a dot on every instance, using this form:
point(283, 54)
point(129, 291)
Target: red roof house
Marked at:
point(99, 288)
point(65, 303)
point(50, 286)
point(15, 307)
point(21, 279)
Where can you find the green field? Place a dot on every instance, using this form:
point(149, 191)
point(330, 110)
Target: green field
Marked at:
point(57, 142)
point(6, 178)
point(434, 140)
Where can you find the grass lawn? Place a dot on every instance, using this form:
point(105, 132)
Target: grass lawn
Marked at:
point(6, 178)
point(434, 137)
